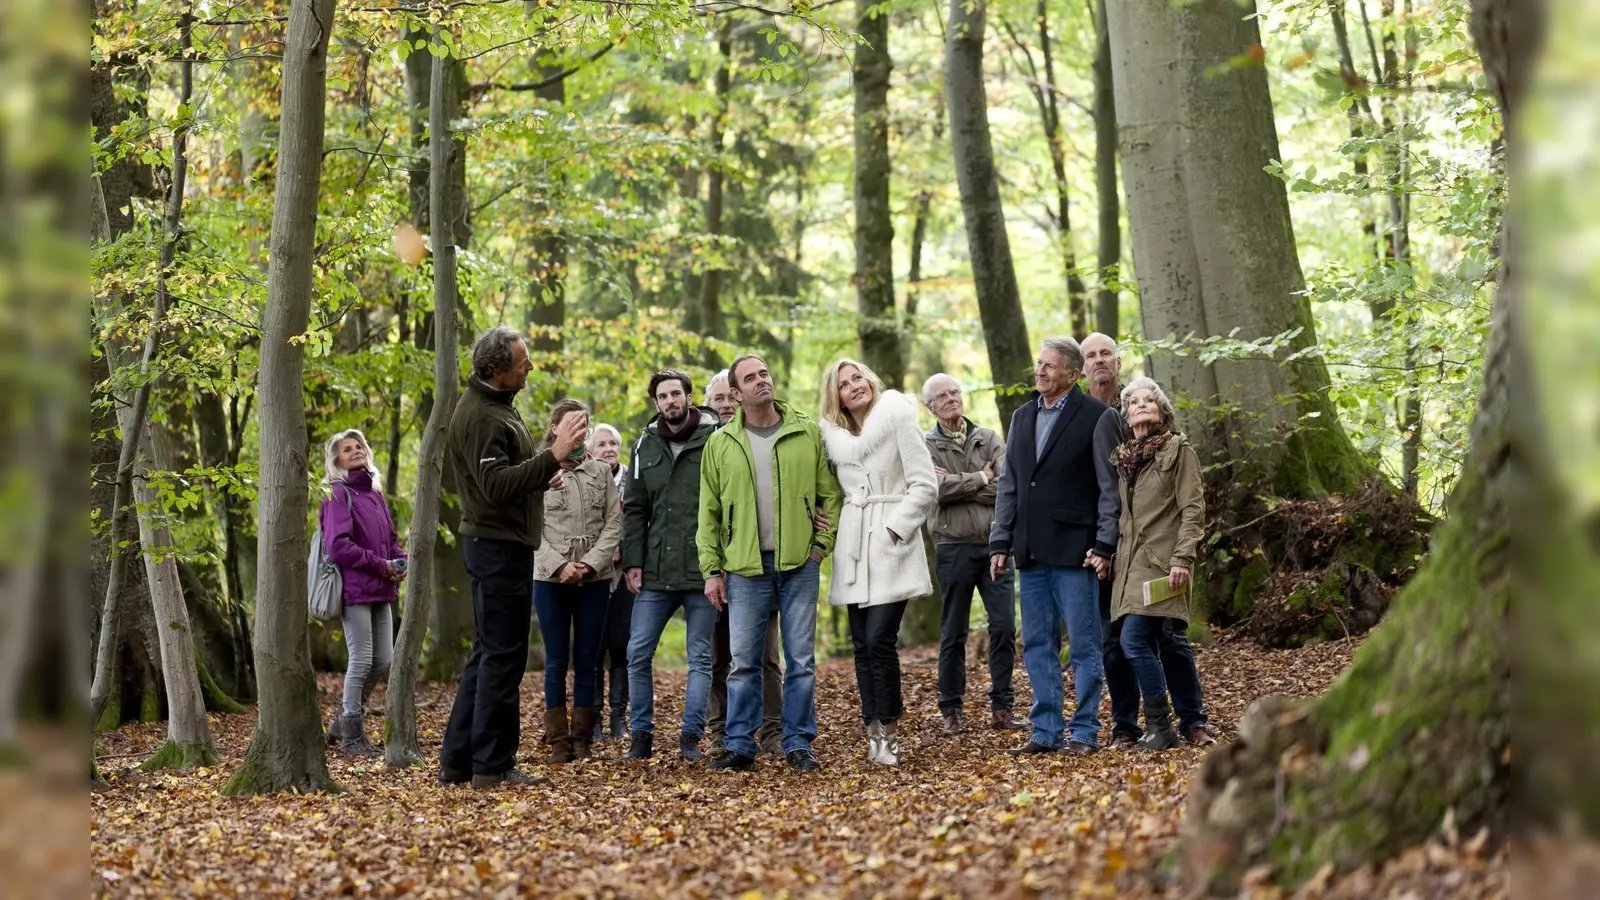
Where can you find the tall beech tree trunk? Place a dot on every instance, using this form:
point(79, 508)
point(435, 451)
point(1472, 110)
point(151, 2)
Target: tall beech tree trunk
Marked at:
point(1214, 244)
point(401, 747)
point(1108, 256)
point(1419, 727)
point(994, 278)
point(878, 329)
point(286, 750)
point(710, 298)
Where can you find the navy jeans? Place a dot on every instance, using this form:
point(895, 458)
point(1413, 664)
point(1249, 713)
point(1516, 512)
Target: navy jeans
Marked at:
point(651, 612)
point(1120, 680)
point(572, 619)
point(1051, 595)
point(750, 600)
point(1158, 649)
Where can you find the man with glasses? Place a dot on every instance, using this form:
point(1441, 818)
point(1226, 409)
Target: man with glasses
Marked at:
point(967, 458)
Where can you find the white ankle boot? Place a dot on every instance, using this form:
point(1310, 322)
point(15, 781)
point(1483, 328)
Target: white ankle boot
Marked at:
point(888, 745)
point(874, 740)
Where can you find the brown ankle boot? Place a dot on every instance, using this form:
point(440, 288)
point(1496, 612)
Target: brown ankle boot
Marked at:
point(584, 718)
point(556, 736)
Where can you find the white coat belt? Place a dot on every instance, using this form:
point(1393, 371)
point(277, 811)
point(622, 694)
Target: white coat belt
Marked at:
point(853, 530)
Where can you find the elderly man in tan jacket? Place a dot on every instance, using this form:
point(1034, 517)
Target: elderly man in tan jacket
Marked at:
point(967, 459)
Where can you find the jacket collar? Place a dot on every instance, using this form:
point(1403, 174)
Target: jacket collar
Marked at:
point(1069, 406)
point(489, 392)
point(791, 420)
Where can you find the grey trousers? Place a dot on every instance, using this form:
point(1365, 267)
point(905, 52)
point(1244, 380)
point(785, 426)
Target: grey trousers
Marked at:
point(369, 638)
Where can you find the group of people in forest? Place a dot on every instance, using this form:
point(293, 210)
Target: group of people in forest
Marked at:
point(727, 511)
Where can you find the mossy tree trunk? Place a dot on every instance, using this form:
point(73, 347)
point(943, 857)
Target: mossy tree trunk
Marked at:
point(1216, 257)
point(1419, 727)
point(286, 750)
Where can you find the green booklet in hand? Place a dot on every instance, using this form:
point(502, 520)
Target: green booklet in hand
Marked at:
point(1161, 589)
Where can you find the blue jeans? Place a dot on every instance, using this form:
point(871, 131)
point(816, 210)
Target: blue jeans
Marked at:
point(651, 612)
point(572, 620)
point(1050, 595)
point(750, 600)
point(1158, 649)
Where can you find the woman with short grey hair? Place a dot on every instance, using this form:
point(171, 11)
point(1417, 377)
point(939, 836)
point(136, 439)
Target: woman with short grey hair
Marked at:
point(1158, 539)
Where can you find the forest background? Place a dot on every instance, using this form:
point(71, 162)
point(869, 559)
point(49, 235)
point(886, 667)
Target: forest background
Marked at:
point(645, 185)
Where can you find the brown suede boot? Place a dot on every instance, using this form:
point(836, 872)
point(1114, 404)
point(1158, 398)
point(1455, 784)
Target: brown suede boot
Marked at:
point(584, 718)
point(556, 736)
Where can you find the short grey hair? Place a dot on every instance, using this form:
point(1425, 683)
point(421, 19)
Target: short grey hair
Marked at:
point(927, 386)
point(1108, 338)
point(1071, 352)
point(712, 384)
point(595, 432)
point(1169, 415)
point(492, 351)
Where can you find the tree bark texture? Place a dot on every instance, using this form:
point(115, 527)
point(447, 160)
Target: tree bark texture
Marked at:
point(878, 330)
point(401, 747)
point(1214, 246)
point(286, 750)
point(1419, 727)
point(547, 267)
point(710, 299)
point(994, 278)
point(1108, 256)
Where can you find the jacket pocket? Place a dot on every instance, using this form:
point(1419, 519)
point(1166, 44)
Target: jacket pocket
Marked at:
point(1073, 516)
point(727, 527)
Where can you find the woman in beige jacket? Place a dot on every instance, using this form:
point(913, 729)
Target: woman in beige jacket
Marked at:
point(1159, 532)
point(572, 581)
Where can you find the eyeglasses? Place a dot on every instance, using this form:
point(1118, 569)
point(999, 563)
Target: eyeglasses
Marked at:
point(951, 394)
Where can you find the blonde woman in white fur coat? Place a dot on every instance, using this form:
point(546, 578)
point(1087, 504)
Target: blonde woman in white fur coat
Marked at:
point(886, 475)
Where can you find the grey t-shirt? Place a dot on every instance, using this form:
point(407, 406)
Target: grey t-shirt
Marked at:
point(677, 448)
point(762, 441)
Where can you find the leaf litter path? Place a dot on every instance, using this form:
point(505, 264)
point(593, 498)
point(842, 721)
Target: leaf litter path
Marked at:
point(957, 818)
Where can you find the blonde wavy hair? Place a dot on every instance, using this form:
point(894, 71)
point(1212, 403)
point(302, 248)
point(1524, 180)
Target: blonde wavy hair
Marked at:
point(330, 459)
point(828, 405)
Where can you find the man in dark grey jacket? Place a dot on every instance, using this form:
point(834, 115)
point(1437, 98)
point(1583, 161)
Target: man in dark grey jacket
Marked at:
point(967, 459)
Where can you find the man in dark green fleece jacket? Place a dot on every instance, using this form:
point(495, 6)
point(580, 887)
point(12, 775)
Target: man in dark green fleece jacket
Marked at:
point(501, 482)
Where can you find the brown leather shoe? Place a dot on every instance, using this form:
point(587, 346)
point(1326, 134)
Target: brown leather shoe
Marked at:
point(1124, 741)
point(1200, 736)
point(1003, 721)
point(952, 724)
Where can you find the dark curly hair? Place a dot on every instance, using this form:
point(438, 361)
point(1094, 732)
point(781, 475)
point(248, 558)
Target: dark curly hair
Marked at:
point(669, 375)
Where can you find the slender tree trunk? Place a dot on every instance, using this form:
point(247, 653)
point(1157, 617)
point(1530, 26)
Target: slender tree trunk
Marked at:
point(547, 267)
point(1418, 730)
point(400, 729)
point(286, 751)
point(923, 350)
point(1108, 258)
point(878, 330)
point(994, 278)
point(1048, 95)
point(710, 302)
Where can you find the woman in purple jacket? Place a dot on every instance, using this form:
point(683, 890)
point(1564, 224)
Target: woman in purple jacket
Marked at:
point(359, 537)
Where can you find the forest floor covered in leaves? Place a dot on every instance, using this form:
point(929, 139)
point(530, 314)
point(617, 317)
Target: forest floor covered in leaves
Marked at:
point(958, 818)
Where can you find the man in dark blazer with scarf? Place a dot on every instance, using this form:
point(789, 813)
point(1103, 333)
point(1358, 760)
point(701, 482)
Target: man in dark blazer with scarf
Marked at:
point(1045, 516)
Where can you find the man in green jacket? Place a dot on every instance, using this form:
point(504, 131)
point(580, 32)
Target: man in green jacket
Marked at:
point(501, 482)
point(660, 509)
point(763, 477)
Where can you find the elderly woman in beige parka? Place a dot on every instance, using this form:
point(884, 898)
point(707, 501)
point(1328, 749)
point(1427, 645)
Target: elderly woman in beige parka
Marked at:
point(571, 584)
point(1162, 522)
